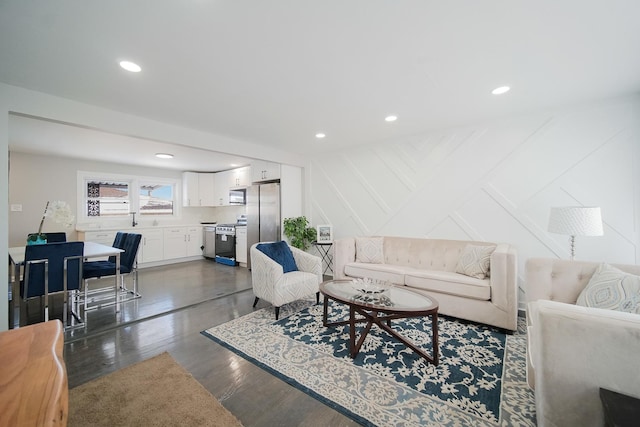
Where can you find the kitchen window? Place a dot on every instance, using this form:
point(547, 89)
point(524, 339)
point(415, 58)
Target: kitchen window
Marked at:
point(107, 198)
point(104, 197)
point(156, 198)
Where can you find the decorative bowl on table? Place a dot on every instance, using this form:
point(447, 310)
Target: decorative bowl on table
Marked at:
point(372, 291)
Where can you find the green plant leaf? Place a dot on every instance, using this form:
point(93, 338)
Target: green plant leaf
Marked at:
point(298, 232)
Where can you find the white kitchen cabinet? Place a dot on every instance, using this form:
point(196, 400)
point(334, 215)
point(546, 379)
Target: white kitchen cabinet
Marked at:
point(102, 237)
point(206, 188)
point(180, 242)
point(198, 189)
point(158, 244)
point(222, 188)
point(151, 246)
point(194, 241)
point(240, 178)
point(241, 245)
point(264, 171)
point(190, 189)
point(175, 242)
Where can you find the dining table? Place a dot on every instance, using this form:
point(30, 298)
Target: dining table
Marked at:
point(91, 250)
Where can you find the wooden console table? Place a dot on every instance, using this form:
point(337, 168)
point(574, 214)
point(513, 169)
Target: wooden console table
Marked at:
point(33, 376)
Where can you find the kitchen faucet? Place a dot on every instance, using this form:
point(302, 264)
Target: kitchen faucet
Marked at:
point(133, 222)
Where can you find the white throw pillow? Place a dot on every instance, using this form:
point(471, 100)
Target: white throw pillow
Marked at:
point(613, 289)
point(369, 250)
point(475, 261)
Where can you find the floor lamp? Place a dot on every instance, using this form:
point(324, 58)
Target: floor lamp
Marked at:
point(576, 221)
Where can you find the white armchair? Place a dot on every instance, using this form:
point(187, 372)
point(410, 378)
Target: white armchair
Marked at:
point(573, 351)
point(271, 284)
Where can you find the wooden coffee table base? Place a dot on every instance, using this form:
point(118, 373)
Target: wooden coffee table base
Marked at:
point(383, 320)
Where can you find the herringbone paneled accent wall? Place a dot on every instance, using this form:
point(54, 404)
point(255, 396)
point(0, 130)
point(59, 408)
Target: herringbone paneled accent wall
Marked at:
point(494, 181)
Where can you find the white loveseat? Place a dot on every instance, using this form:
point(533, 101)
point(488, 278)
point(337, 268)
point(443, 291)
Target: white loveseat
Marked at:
point(574, 350)
point(428, 266)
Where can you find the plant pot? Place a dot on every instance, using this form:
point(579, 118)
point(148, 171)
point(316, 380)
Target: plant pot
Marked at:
point(36, 239)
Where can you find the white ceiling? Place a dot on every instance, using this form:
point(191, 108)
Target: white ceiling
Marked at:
point(277, 72)
point(29, 135)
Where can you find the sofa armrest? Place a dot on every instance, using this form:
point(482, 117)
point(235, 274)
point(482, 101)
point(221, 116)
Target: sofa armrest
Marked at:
point(504, 282)
point(308, 262)
point(344, 252)
point(575, 351)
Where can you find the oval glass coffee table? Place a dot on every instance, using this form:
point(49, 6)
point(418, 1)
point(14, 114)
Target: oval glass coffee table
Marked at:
point(380, 308)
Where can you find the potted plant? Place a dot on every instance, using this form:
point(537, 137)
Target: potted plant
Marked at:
point(298, 232)
point(60, 212)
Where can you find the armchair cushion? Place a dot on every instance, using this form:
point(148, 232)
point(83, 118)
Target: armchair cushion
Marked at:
point(612, 289)
point(280, 253)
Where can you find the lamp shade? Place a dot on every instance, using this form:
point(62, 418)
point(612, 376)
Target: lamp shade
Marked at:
point(576, 221)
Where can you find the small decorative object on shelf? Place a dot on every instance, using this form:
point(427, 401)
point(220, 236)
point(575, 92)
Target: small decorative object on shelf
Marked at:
point(59, 212)
point(325, 233)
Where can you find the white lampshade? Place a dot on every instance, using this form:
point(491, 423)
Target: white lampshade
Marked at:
point(576, 221)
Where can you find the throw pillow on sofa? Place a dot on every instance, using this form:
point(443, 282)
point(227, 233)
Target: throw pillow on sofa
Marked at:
point(369, 250)
point(280, 253)
point(475, 261)
point(612, 289)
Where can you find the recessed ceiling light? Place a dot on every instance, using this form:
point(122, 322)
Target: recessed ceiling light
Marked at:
point(164, 155)
point(320, 135)
point(233, 165)
point(130, 66)
point(500, 90)
point(391, 118)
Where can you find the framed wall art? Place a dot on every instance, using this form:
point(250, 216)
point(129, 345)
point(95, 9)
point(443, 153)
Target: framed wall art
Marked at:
point(325, 234)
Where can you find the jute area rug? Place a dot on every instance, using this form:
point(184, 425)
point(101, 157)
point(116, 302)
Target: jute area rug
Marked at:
point(480, 380)
point(155, 392)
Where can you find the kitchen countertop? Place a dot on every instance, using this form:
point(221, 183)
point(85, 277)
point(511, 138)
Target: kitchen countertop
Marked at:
point(84, 228)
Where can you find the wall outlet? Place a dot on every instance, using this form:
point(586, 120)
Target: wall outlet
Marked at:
point(16, 208)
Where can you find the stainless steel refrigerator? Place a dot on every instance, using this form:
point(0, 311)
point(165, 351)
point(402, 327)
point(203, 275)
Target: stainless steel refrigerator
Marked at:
point(263, 215)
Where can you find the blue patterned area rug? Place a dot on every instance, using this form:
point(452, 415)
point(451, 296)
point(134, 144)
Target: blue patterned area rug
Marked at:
point(480, 380)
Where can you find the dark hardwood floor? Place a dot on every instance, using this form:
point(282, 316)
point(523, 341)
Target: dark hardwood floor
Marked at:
point(178, 302)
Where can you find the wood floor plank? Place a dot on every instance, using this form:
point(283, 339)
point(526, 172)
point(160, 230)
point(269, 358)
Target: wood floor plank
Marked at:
point(253, 395)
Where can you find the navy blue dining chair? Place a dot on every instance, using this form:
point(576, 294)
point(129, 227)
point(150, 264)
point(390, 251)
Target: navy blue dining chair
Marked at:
point(129, 242)
point(52, 268)
point(56, 237)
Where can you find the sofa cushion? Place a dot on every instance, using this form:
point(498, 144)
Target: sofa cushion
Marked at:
point(449, 283)
point(612, 289)
point(475, 261)
point(387, 272)
point(369, 249)
point(280, 253)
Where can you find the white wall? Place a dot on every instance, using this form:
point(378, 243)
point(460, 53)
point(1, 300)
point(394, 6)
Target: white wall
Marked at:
point(291, 191)
point(36, 179)
point(22, 101)
point(495, 182)
point(4, 208)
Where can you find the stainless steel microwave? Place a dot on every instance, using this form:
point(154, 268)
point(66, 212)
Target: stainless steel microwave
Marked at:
point(238, 197)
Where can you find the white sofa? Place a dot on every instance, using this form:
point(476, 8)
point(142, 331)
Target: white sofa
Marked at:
point(574, 350)
point(428, 266)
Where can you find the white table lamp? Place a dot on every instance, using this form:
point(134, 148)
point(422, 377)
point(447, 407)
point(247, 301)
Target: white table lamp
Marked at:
point(576, 221)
